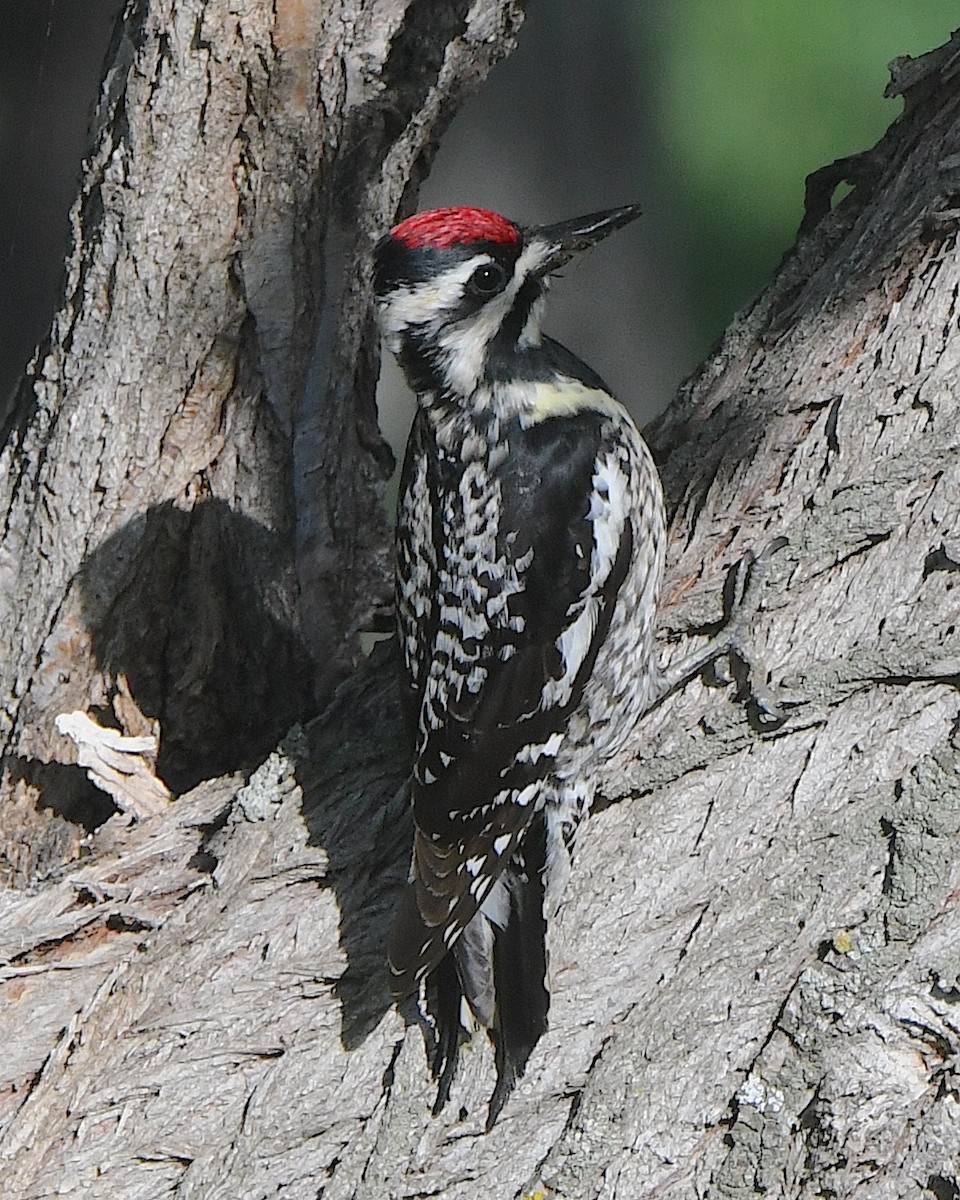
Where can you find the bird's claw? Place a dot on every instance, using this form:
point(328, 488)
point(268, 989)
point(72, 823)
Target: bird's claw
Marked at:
point(742, 592)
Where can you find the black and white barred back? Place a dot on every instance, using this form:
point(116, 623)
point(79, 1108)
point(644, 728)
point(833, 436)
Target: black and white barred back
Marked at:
point(530, 547)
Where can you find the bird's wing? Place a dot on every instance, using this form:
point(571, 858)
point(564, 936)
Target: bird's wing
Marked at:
point(565, 537)
point(416, 570)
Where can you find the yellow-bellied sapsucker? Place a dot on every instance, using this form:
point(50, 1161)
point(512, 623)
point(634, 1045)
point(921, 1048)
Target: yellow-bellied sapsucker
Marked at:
point(530, 546)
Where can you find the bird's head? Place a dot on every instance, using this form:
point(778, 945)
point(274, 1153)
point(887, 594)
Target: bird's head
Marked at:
point(460, 291)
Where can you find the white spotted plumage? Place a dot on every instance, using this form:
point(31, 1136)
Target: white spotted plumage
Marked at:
point(529, 557)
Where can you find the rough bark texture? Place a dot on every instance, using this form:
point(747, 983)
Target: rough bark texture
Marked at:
point(192, 477)
point(755, 979)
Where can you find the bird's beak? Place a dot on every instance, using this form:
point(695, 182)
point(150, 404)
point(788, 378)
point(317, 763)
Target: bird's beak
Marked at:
point(568, 238)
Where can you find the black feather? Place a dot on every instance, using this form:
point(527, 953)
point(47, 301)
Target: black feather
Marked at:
point(443, 1004)
point(519, 1018)
point(520, 969)
point(470, 763)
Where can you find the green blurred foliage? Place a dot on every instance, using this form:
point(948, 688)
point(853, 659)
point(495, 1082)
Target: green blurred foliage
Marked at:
point(753, 96)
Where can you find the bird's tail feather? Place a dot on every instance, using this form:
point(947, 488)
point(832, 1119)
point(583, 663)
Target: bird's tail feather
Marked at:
point(520, 969)
point(499, 966)
point(444, 1003)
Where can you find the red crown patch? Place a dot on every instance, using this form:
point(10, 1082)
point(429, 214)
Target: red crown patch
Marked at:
point(441, 228)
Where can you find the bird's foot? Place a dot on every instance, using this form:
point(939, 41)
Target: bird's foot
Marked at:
point(742, 593)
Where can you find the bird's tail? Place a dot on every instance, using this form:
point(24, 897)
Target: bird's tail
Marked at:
point(499, 967)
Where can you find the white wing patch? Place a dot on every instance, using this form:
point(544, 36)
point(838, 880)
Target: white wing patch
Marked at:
point(609, 512)
point(532, 753)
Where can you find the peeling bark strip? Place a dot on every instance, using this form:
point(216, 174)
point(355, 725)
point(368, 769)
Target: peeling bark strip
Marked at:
point(192, 480)
point(755, 979)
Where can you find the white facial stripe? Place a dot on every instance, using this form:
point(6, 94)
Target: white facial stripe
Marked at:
point(530, 334)
point(529, 262)
point(531, 258)
point(464, 343)
point(423, 303)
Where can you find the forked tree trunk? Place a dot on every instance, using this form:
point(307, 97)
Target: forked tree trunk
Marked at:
point(755, 978)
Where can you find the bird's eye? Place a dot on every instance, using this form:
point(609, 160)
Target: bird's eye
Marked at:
point(487, 279)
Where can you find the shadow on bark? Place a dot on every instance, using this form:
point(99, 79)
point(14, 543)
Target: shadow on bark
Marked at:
point(48, 808)
point(188, 606)
point(185, 605)
point(61, 788)
point(356, 806)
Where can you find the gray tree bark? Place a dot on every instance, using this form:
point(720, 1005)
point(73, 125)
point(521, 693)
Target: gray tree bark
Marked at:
point(755, 977)
point(192, 477)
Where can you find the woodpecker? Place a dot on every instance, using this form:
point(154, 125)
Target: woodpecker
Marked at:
point(530, 549)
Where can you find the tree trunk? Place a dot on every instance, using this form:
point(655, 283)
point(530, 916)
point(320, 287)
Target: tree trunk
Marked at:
point(192, 478)
point(755, 978)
